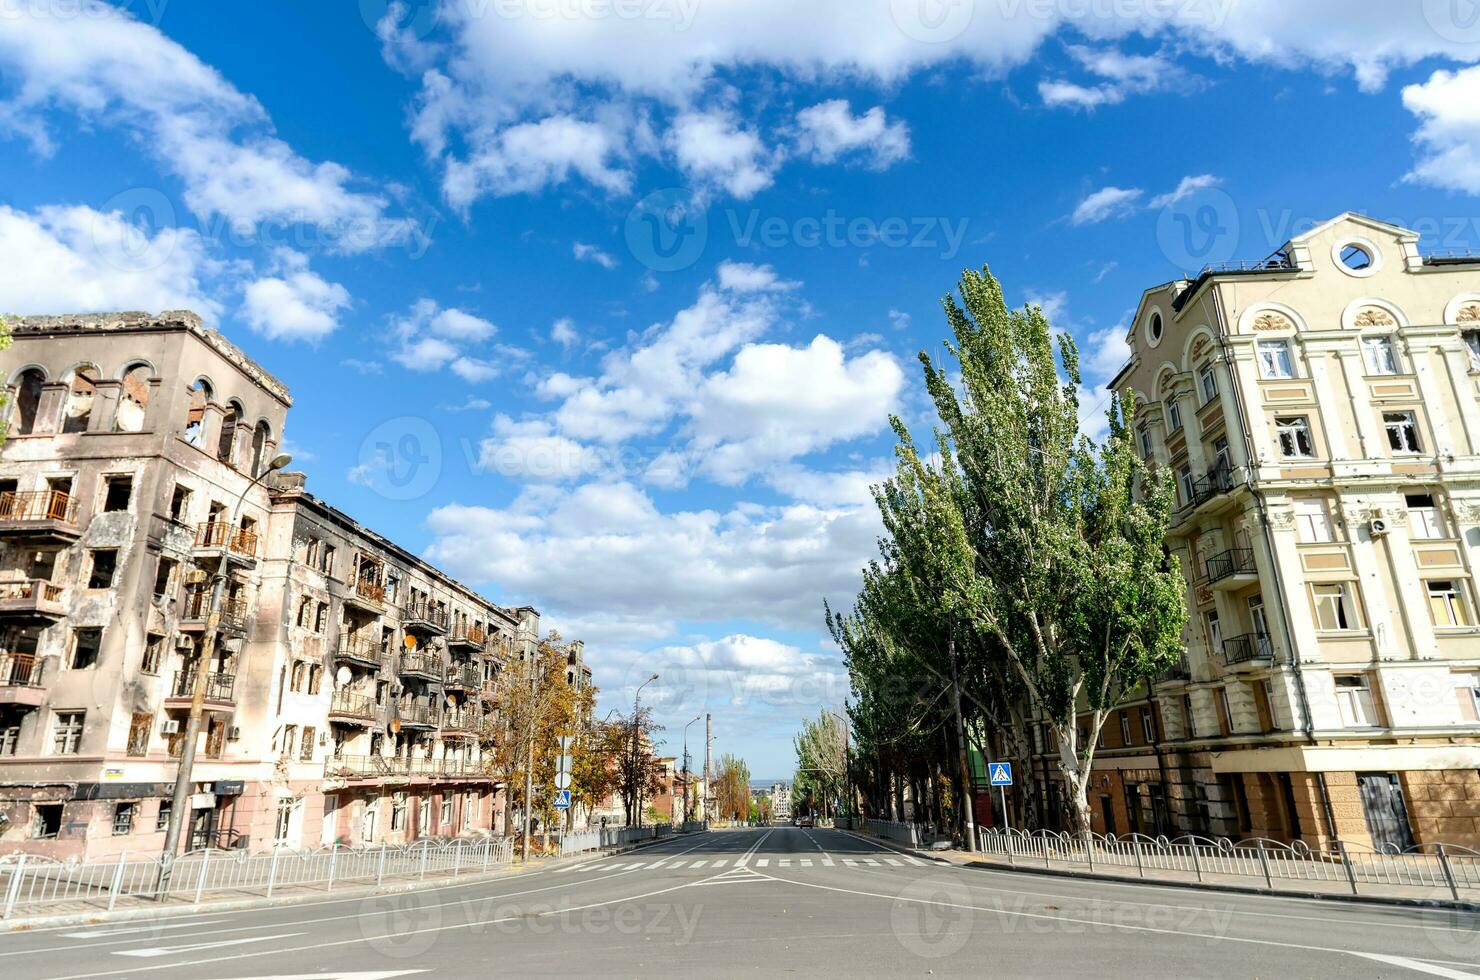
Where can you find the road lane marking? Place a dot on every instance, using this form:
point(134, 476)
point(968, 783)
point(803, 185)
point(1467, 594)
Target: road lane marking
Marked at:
point(153, 951)
point(720, 863)
point(698, 864)
point(891, 862)
point(108, 933)
point(763, 862)
point(1421, 967)
point(806, 862)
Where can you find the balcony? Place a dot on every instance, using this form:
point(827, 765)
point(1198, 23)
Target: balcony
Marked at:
point(238, 544)
point(1179, 671)
point(426, 666)
point(220, 690)
point(421, 616)
point(1232, 569)
point(420, 715)
point(462, 721)
point(469, 638)
point(32, 602)
point(359, 709)
point(1248, 650)
point(360, 651)
point(1215, 483)
point(20, 679)
point(347, 767)
point(39, 516)
point(463, 677)
point(368, 594)
point(232, 615)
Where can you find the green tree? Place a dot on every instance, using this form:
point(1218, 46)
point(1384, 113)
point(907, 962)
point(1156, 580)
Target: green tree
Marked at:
point(732, 787)
point(821, 759)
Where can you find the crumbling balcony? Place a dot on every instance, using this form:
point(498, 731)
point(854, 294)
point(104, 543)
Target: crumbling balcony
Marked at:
point(356, 709)
point(39, 517)
point(20, 679)
point(1215, 483)
point(418, 715)
point(215, 538)
point(220, 691)
point(233, 612)
point(468, 638)
point(359, 651)
point(463, 721)
point(424, 666)
point(463, 677)
point(34, 602)
point(367, 595)
point(420, 616)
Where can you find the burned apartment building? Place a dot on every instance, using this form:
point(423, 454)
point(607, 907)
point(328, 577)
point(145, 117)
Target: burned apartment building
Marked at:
point(352, 680)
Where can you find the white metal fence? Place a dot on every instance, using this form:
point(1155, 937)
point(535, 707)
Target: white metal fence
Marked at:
point(28, 881)
point(598, 838)
point(901, 833)
point(1445, 866)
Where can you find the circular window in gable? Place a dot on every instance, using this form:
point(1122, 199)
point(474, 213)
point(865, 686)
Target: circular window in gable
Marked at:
point(1153, 328)
point(1356, 257)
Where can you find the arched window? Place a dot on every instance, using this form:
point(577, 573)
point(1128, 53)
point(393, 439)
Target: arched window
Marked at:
point(133, 399)
point(260, 435)
point(195, 416)
point(81, 393)
point(226, 447)
point(28, 400)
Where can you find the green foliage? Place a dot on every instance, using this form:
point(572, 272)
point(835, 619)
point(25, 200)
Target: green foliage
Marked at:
point(821, 759)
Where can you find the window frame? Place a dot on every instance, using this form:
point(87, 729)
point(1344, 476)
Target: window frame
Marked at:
point(1295, 426)
point(1383, 342)
point(66, 735)
point(1344, 606)
point(1281, 367)
point(1455, 600)
point(1407, 420)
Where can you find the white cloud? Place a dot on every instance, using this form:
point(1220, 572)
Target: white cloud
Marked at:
point(1186, 187)
point(1107, 202)
point(78, 260)
point(530, 156)
point(742, 277)
point(1122, 74)
point(711, 148)
point(1448, 137)
point(667, 471)
point(1056, 93)
point(529, 450)
point(829, 131)
point(294, 303)
point(106, 67)
point(606, 552)
point(591, 253)
point(429, 337)
point(564, 333)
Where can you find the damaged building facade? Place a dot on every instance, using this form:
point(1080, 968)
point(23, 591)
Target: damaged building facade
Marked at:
point(352, 680)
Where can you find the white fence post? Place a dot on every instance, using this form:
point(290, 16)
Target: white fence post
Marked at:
point(1448, 872)
point(424, 851)
point(272, 871)
point(1264, 865)
point(117, 881)
point(14, 891)
point(487, 853)
point(333, 862)
point(457, 859)
point(200, 884)
point(1346, 859)
point(380, 869)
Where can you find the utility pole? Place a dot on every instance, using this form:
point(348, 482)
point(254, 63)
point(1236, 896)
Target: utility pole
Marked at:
point(202, 678)
point(686, 768)
point(969, 804)
point(636, 816)
point(534, 676)
point(708, 759)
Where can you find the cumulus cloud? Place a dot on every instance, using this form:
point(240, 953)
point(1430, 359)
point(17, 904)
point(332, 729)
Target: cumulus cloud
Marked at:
point(76, 259)
point(1107, 202)
point(107, 68)
point(1448, 137)
point(429, 337)
point(294, 303)
point(590, 253)
point(713, 149)
point(531, 156)
point(1121, 75)
point(743, 277)
point(530, 450)
point(829, 131)
point(564, 333)
point(1185, 188)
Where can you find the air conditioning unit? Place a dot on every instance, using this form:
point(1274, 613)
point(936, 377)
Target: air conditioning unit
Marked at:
point(171, 726)
point(234, 733)
point(1378, 527)
point(184, 641)
point(195, 576)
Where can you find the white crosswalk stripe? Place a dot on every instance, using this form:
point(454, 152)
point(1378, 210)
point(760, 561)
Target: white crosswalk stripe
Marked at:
point(806, 862)
point(721, 863)
point(891, 861)
point(763, 862)
point(698, 864)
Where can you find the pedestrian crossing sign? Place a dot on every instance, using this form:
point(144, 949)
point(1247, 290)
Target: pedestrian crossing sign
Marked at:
point(562, 799)
point(1000, 773)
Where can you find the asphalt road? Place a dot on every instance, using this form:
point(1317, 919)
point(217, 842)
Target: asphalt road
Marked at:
point(767, 902)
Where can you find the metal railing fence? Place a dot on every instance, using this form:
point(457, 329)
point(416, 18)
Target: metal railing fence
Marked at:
point(28, 881)
point(1443, 866)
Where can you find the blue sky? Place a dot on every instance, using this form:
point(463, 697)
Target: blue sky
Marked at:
point(603, 304)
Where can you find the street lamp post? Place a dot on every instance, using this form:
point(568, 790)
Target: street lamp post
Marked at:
point(183, 777)
point(686, 767)
point(636, 781)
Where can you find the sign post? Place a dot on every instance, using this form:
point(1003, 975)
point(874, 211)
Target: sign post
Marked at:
point(1000, 775)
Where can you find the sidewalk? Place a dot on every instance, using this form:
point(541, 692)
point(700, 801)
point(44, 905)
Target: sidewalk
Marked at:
point(134, 908)
point(1406, 895)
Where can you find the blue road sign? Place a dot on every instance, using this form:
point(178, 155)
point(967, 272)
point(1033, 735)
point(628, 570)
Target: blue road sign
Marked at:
point(1000, 773)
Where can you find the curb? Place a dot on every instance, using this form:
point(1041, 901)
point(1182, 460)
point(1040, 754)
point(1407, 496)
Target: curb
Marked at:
point(103, 916)
point(1382, 900)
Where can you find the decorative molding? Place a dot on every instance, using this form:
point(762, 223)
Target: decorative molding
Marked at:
point(1373, 316)
point(1270, 320)
point(1468, 313)
point(1467, 511)
point(1281, 520)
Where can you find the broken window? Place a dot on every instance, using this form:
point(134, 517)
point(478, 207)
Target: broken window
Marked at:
point(46, 821)
point(66, 735)
point(260, 435)
point(116, 492)
point(180, 504)
point(153, 654)
point(163, 575)
point(226, 445)
point(85, 645)
point(104, 563)
point(195, 416)
point(28, 400)
point(139, 729)
point(133, 399)
point(81, 393)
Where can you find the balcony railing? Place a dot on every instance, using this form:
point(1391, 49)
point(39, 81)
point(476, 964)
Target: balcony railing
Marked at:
point(352, 766)
point(38, 505)
point(33, 600)
point(418, 714)
point(219, 534)
point(370, 590)
point(468, 636)
point(421, 614)
point(198, 606)
point(360, 650)
point(348, 704)
point(1235, 561)
point(1247, 648)
point(424, 665)
point(462, 719)
point(467, 676)
point(219, 687)
point(1217, 481)
point(1179, 671)
point(20, 670)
